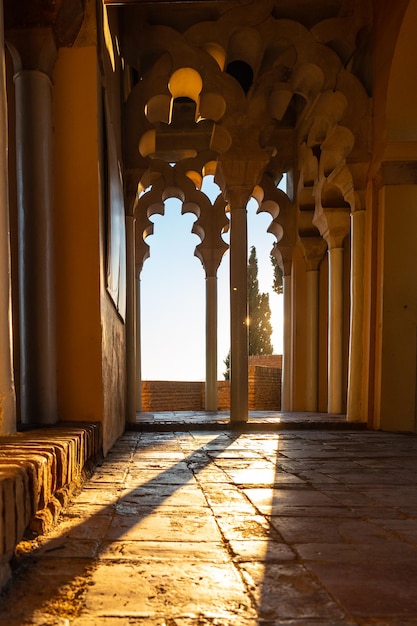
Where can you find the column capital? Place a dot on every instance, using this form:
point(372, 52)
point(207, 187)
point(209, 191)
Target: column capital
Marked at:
point(314, 249)
point(33, 49)
point(333, 225)
point(238, 176)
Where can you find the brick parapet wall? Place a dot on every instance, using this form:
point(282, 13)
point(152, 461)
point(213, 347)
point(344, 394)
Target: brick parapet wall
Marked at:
point(264, 393)
point(266, 360)
point(39, 470)
point(169, 395)
point(264, 387)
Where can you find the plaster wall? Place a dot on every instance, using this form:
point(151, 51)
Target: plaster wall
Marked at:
point(396, 350)
point(90, 333)
point(77, 235)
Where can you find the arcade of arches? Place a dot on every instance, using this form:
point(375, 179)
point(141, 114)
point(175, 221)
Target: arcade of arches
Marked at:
point(110, 107)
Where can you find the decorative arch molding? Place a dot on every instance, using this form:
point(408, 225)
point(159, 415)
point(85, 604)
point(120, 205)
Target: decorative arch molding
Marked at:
point(179, 181)
point(299, 83)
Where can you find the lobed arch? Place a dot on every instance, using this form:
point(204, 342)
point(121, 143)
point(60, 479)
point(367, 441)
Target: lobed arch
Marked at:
point(211, 218)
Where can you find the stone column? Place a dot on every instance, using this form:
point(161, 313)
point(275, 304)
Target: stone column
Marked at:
point(211, 343)
point(335, 330)
point(312, 346)
point(333, 225)
point(138, 346)
point(314, 249)
point(287, 344)
point(131, 320)
point(34, 55)
point(7, 391)
point(355, 373)
point(238, 176)
point(238, 198)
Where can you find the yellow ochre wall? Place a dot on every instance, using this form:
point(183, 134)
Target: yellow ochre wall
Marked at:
point(90, 334)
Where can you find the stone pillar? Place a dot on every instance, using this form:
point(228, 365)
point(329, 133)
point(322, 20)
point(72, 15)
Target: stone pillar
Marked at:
point(211, 343)
point(335, 330)
point(333, 225)
point(238, 198)
point(7, 391)
point(34, 55)
point(287, 344)
point(138, 347)
point(312, 346)
point(314, 249)
point(131, 320)
point(357, 293)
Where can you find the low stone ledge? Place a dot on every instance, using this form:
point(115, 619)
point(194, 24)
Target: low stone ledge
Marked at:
point(39, 471)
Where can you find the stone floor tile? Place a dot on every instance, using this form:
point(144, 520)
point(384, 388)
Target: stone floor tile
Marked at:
point(164, 550)
point(156, 494)
point(359, 552)
point(94, 527)
point(391, 497)
point(65, 548)
point(161, 476)
point(212, 476)
point(248, 527)
point(348, 497)
point(288, 591)
point(378, 512)
point(269, 476)
point(192, 589)
point(329, 530)
point(371, 589)
point(99, 495)
point(261, 550)
point(314, 511)
point(163, 527)
point(270, 501)
point(43, 587)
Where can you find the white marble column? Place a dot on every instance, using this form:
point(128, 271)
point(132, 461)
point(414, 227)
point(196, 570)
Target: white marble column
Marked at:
point(312, 345)
point(238, 199)
point(131, 319)
point(335, 332)
point(287, 344)
point(211, 343)
point(138, 347)
point(33, 87)
point(355, 371)
point(7, 390)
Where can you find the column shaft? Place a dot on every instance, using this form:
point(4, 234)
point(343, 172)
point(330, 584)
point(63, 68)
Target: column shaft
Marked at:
point(7, 391)
point(36, 255)
point(211, 343)
point(238, 312)
point(335, 337)
point(312, 347)
point(138, 349)
point(355, 373)
point(131, 320)
point(287, 343)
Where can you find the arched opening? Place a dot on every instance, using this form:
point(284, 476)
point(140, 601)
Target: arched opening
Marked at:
point(172, 295)
point(212, 190)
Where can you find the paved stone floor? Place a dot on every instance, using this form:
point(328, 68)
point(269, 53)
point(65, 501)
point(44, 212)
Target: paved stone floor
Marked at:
point(224, 528)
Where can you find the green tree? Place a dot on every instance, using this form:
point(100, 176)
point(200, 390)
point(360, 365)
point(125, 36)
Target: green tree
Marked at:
point(260, 329)
point(259, 313)
point(277, 281)
point(226, 361)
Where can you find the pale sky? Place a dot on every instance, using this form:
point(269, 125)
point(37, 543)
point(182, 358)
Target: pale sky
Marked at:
point(173, 295)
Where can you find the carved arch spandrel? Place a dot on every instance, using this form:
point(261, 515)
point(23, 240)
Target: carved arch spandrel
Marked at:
point(211, 218)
